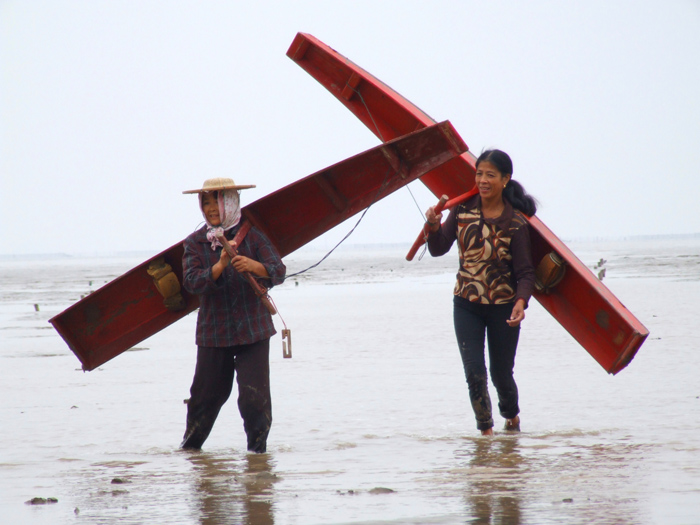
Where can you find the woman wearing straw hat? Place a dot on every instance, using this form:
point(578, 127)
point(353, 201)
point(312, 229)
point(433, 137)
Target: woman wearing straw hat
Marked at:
point(233, 326)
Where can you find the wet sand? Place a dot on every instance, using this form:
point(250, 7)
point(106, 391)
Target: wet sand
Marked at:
point(371, 418)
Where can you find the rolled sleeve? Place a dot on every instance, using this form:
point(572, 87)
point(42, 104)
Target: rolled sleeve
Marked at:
point(440, 242)
point(268, 256)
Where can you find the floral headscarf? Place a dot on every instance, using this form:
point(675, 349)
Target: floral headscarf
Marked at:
point(229, 212)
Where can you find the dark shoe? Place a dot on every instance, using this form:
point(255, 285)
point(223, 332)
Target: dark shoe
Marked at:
point(512, 425)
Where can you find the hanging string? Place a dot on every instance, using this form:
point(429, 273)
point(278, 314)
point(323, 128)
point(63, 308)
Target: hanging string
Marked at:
point(374, 199)
point(376, 127)
point(420, 211)
point(286, 334)
point(332, 249)
point(381, 137)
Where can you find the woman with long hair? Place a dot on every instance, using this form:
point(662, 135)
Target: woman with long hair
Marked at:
point(495, 280)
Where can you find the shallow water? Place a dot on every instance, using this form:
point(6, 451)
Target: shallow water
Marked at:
point(371, 418)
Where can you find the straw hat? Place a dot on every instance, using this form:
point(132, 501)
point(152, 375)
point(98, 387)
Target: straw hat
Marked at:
point(220, 183)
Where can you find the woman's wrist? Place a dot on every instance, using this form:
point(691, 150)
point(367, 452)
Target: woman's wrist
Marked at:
point(262, 271)
point(433, 226)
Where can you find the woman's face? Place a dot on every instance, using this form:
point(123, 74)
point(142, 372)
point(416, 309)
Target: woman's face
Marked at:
point(210, 207)
point(490, 181)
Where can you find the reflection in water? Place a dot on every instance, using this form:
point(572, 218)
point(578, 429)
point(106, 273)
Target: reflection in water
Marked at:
point(602, 450)
point(493, 492)
point(552, 478)
point(233, 490)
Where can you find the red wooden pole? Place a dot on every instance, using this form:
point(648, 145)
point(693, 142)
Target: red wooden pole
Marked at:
point(443, 204)
point(423, 235)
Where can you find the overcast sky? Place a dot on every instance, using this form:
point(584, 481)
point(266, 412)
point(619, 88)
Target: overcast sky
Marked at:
point(109, 109)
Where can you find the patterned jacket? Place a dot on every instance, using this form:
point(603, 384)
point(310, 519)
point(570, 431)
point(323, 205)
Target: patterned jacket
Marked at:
point(495, 257)
point(230, 313)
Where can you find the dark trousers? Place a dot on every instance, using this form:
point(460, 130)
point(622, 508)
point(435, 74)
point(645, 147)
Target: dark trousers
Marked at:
point(212, 385)
point(473, 324)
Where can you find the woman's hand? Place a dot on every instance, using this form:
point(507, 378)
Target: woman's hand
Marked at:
point(518, 313)
point(224, 259)
point(241, 263)
point(433, 219)
point(245, 264)
point(220, 265)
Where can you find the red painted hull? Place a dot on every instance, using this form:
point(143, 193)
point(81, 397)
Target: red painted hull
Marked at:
point(580, 302)
point(129, 309)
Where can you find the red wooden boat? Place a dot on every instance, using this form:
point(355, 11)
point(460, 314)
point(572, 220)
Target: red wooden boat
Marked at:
point(148, 298)
point(585, 307)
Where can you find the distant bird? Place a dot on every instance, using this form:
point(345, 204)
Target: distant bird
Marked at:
point(601, 274)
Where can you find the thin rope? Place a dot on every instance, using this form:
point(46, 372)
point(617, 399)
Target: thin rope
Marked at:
point(376, 196)
point(420, 211)
point(381, 137)
point(422, 253)
point(278, 312)
point(332, 249)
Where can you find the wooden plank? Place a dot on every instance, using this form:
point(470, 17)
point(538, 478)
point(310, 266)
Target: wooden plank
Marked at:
point(129, 309)
point(582, 304)
point(311, 206)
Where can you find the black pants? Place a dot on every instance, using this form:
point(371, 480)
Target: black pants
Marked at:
point(212, 385)
point(473, 324)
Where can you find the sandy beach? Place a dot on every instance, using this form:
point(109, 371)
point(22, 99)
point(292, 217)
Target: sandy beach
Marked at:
point(371, 416)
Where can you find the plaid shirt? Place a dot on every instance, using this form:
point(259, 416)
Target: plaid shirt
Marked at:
point(230, 313)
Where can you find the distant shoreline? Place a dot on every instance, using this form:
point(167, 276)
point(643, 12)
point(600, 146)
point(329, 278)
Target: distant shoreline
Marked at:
point(364, 247)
